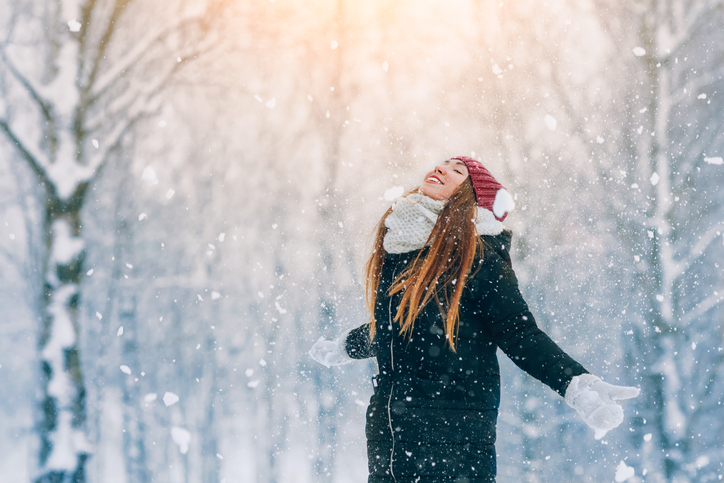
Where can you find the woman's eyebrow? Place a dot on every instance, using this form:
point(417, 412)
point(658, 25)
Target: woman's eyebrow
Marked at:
point(457, 163)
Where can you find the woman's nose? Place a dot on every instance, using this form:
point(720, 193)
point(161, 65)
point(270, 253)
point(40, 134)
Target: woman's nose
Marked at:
point(441, 169)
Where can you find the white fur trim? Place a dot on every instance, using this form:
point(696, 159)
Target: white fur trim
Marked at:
point(486, 224)
point(503, 203)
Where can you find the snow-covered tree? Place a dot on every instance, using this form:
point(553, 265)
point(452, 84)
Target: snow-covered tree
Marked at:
point(664, 175)
point(225, 233)
point(77, 75)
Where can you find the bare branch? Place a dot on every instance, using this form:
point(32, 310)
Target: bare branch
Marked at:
point(118, 106)
point(699, 249)
point(10, 257)
point(706, 389)
point(694, 20)
point(695, 85)
point(702, 307)
point(131, 104)
point(118, 8)
point(111, 141)
point(145, 101)
point(700, 146)
point(26, 195)
point(30, 87)
point(10, 31)
point(134, 56)
point(37, 161)
point(13, 260)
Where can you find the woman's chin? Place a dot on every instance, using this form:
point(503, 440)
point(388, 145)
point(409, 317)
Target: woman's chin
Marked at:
point(431, 193)
point(436, 197)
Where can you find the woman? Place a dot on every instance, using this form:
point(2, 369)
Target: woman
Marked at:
point(443, 298)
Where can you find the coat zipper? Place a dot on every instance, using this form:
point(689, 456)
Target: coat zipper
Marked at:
point(392, 387)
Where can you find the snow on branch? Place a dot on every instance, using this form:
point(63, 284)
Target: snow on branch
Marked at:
point(68, 443)
point(62, 336)
point(694, 19)
point(698, 83)
point(133, 56)
point(699, 248)
point(702, 307)
point(66, 247)
point(67, 440)
point(67, 175)
point(699, 147)
point(705, 388)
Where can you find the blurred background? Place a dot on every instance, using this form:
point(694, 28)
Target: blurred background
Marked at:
point(188, 190)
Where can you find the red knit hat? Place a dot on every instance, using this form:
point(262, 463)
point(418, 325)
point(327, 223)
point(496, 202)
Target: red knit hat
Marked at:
point(490, 194)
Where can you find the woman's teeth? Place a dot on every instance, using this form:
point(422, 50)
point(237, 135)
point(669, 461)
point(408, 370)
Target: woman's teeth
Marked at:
point(433, 180)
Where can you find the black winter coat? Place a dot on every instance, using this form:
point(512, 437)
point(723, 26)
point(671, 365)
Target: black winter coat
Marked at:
point(433, 414)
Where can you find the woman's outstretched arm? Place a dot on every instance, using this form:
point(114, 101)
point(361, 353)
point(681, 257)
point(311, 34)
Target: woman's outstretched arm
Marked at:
point(507, 317)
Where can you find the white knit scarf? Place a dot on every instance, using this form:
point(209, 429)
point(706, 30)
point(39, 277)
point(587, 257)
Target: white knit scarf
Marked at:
point(413, 218)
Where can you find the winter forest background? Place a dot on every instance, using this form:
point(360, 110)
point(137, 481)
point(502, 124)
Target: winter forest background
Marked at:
point(187, 193)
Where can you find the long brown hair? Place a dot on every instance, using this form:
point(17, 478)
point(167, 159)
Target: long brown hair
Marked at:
point(453, 245)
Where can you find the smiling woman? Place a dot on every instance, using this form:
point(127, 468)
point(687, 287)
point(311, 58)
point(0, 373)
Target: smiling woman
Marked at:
point(441, 182)
point(443, 298)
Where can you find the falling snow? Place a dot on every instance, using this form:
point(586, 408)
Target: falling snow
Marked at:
point(188, 203)
point(169, 399)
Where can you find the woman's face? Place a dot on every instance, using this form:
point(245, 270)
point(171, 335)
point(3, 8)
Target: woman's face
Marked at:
point(440, 183)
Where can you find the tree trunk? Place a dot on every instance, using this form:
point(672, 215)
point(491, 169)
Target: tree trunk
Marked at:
point(209, 437)
point(666, 332)
point(134, 448)
point(64, 448)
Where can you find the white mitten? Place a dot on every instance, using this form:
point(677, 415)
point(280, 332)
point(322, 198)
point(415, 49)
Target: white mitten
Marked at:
point(331, 352)
point(596, 402)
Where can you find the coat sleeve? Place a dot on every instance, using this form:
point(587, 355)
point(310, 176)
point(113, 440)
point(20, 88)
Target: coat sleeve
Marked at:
point(357, 343)
point(510, 322)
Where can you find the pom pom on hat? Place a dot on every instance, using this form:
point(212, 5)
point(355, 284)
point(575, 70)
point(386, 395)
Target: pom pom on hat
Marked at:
point(490, 194)
point(503, 204)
